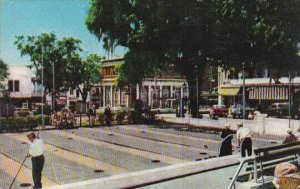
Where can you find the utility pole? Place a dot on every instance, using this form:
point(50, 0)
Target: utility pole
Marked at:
point(43, 119)
point(244, 91)
point(53, 87)
point(290, 99)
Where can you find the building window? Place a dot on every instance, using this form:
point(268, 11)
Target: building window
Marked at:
point(17, 85)
point(124, 97)
point(10, 85)
point(107, 95)
point(77, 93)
point(166, 92)
point(13, 85)
point(71, 92)
point(116, 99)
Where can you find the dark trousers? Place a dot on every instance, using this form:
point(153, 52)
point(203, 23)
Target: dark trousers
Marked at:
point(37, 168)
point(246, 146)
point(108, 121)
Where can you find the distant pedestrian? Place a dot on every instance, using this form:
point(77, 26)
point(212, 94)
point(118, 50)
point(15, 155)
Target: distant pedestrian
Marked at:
point(290, 138)
point(244, 140)
point(92, 115)
point(226, 145)
point(36, 151)
point(108, 115)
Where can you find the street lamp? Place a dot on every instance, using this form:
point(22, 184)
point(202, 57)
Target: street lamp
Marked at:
point(181, 101)
point(43, 119)
point(53, 87)
point(244, 91)
point(197, 91)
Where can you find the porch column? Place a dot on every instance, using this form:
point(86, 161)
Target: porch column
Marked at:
point(120, 97)
point(160, 95)
point(137, 91)
point(103, 96)
point(181, 92)
point(171, 95)
point(149, 95)
point(111, 96)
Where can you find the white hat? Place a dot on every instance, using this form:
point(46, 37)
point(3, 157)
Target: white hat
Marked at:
point(30, 133)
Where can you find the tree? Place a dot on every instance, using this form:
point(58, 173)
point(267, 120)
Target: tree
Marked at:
point(46, 50)
point(3, 75)
point(83, 74)
point(189, 33)
point(157, 33)
point(263, 34)
point(3, 72)
point(70, 71)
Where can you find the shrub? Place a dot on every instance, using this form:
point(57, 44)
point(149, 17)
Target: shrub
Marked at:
point(101, 118)
point(150, 117)
point(46, 119)
point(120, 116)
point(23, 113)
point(33, 120)
point(20, 122)
point(47, 110)
point(138, 105)
point(136, 117)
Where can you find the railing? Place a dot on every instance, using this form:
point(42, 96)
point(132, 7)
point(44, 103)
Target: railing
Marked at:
point(37, 93)
point(245, 160)
point(19, 95)
point(25, 94)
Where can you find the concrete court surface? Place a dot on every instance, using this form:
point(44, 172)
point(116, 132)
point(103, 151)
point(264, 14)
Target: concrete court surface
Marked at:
point(89, 153)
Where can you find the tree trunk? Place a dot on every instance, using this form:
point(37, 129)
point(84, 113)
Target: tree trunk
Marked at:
point(192, 84)
point(192, 96)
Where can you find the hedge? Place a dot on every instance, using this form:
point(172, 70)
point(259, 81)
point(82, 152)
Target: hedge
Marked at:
point(19, 123)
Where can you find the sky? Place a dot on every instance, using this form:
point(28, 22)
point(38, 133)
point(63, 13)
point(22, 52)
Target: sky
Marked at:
point(33, 17)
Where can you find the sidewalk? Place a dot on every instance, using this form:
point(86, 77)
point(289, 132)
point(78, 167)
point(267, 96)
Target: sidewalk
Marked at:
point(261, 125)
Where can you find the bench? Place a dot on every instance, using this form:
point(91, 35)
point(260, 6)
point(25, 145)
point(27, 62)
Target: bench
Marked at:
point(260, 167)
point(267, 158)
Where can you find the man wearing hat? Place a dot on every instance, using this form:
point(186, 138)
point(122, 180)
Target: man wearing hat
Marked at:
point(226, 146)
point(36, 151)
point(243, 136)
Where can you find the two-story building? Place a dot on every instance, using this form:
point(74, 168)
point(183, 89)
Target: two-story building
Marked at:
point(159, 91)
point(261, 90)
point(22, 88)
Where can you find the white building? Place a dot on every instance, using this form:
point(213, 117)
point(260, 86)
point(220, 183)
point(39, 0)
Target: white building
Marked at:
point(161, 91)
point(21, 86)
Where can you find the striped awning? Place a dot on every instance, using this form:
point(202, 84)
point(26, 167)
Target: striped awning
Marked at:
point(269, 93)
point(228, 91)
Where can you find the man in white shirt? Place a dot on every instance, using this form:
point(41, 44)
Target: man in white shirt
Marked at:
point(36, 151)
point(243, 136)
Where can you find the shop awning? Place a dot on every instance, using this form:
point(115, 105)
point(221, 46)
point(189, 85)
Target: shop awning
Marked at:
point(269, 92)
point(229, 91)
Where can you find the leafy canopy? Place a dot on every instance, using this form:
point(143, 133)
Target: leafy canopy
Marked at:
point(70, 70)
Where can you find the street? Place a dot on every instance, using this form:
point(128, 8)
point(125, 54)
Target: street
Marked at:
point(89, 153)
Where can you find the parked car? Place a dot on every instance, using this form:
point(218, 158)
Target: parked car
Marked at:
point(218, 110)
point(281, 109)
point(237, 111)
point(204, 109)
point(163, 110)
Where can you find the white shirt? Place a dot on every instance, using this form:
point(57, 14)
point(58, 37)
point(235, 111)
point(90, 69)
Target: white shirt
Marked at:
point(242, 133)
point(36, 148)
